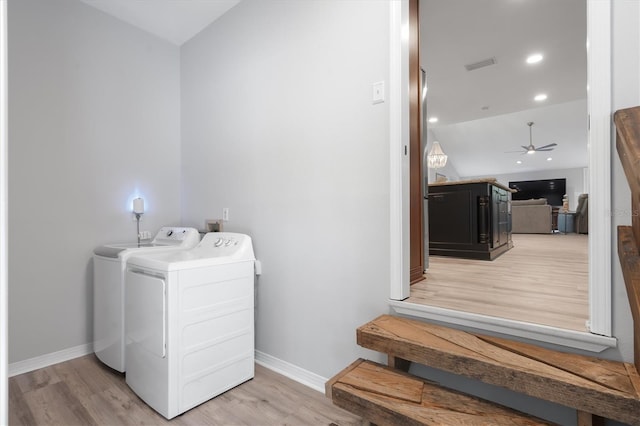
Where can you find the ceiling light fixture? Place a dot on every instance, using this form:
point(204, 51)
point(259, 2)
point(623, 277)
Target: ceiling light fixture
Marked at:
point(531, 149)
point(541, 97)
point(518, 162)
point(436, 158)
point(433, 120)
point(535, 58)
point(549, 158)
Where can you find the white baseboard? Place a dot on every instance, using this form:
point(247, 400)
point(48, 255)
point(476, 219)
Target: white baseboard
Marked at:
point(291, 371)
point(46, 360)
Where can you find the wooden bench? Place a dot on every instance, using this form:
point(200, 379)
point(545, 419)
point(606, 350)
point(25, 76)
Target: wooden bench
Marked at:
point(386, 396)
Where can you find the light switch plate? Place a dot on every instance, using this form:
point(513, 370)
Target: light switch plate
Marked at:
point(378, 92)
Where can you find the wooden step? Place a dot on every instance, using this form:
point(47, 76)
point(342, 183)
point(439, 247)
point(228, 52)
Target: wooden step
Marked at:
point(605, 388)
point(385, 396)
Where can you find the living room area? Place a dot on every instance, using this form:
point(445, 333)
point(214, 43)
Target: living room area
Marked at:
point(542, 206)
point(513, 114)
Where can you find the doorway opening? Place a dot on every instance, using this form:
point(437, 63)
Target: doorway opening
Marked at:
point(597, 285)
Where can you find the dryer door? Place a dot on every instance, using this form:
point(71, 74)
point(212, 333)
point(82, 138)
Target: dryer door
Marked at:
point(146, 312)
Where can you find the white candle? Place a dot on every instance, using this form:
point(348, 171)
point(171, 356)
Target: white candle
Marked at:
point(138, 205)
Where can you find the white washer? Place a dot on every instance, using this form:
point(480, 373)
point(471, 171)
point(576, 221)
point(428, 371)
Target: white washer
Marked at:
point(109, 264)
point(189, 322)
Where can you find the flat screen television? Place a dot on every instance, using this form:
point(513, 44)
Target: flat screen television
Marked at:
point(551, 189)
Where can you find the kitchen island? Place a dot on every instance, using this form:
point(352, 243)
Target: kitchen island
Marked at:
point(469, 219)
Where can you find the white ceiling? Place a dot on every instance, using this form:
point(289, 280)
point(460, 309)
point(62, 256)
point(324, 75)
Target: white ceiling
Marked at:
point(459, 32)
point(173, 20)
point(455, 33)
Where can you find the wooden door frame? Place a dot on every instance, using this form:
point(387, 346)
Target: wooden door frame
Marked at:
point(416, 194)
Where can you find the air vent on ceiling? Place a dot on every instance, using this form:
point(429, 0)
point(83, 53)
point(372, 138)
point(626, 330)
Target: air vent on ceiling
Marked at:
point(480, 64)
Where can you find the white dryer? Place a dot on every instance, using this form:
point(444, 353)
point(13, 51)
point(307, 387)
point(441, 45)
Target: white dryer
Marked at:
point(109, 264)
point(189, 322)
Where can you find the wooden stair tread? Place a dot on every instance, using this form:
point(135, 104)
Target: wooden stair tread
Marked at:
point(386, 396)
point(606, 388)
point(370, 377)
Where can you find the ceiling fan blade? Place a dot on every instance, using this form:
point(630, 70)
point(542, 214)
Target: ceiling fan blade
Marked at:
point(512, 152)
point(544, 149)
point(526, 148)
point(546, 146)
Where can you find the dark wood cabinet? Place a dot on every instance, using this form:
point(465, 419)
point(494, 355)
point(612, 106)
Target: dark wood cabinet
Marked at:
point(469, 219)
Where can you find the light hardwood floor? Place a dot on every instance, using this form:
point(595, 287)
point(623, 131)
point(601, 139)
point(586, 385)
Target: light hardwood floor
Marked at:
point(85, 392)
point(543, 279)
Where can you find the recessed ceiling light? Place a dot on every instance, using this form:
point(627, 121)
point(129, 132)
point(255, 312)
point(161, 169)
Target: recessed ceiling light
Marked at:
point(433, 120)
point(549, 158)
point(541, 97)
point(518, 162)
point(535, 58)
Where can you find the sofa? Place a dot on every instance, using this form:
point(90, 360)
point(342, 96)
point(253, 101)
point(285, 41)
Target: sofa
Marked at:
point(582, 215)
point(531, 217)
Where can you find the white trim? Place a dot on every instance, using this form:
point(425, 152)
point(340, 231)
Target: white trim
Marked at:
point(46, 360)
point(568, 338)
point(398, 163)
point(291, 371)
point(300, 375)
point(599, 83)
point(600, 254)
point(4, 292)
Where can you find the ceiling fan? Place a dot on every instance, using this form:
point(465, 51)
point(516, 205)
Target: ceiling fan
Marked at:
point(530, 149)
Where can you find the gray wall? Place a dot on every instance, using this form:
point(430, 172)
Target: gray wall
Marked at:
point(94, 119)
point(278, 126)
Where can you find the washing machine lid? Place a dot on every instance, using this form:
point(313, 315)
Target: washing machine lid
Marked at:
point(168, 237)
point(216, 248)
point(114, 250)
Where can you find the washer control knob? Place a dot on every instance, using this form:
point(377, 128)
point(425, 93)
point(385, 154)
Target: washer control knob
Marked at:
point(218, 242)
point(227, 243)
point(169, 232)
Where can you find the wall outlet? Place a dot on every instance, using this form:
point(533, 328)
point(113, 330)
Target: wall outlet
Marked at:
point(225, 213)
